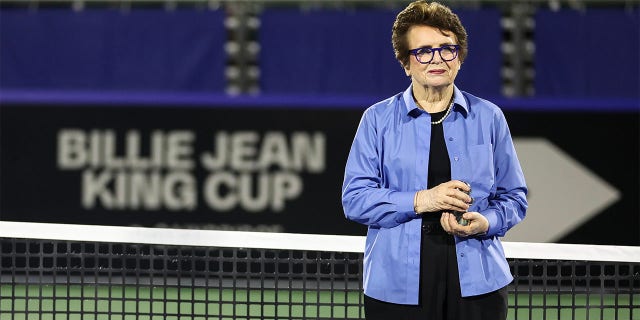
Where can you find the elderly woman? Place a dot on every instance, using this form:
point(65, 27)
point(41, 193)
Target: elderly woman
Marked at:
point(434, 175)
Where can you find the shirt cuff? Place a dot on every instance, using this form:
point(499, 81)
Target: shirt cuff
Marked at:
point(404, 205)
point(494, 222)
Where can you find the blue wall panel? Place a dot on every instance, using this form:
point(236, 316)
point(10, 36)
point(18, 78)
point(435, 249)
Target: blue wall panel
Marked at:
point(594, 53)
point(333, 52)
point(480, 73)
point(143, 49)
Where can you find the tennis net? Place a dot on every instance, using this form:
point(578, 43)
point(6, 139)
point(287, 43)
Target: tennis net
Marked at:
point(55, 271)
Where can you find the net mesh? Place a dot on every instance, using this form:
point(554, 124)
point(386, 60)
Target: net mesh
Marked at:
point(571, 289)
point(44, 278)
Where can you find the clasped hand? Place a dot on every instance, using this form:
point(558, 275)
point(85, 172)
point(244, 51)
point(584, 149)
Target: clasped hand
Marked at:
point(451, 196)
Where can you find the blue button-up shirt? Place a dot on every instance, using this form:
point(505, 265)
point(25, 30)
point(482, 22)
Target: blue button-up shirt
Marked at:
point(388, 163)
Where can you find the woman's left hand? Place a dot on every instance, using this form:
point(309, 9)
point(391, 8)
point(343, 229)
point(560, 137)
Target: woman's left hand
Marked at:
point(478, 224)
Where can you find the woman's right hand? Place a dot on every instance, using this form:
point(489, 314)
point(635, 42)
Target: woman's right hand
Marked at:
point(447, 196)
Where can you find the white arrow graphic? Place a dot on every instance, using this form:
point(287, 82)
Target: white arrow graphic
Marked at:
point(563, 194)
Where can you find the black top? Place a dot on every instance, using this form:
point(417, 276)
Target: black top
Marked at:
point(439, 163)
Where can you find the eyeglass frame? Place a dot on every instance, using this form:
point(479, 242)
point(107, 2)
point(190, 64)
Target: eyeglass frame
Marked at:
point(414, 52)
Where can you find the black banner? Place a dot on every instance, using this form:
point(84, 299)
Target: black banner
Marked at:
point(251, 169)
point(244, 168)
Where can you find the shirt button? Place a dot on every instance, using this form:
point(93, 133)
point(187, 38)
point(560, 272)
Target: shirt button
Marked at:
point(455, 158)
point(450, 138)
point(462, 254)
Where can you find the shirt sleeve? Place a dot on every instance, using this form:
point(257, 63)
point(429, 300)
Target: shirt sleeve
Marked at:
point(363, 199)
point(508, 205)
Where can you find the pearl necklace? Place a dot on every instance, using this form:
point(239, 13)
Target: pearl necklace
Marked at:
point(445, 115)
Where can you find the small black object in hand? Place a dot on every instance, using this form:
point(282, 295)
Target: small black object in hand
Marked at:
point(458, 214)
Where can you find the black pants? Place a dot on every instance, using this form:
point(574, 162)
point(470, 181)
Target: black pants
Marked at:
point(440, 297)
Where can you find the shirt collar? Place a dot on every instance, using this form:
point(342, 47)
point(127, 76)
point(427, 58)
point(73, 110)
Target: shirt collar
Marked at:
point(412, 107)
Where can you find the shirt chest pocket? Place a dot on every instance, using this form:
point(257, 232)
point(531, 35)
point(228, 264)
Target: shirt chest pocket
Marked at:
point(482, 168)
